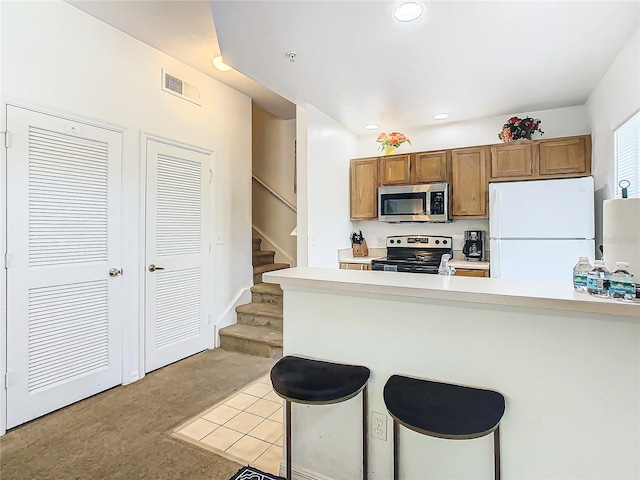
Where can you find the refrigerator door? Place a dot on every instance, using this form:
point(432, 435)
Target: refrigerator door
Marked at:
point(544, 260)
point(542, 209)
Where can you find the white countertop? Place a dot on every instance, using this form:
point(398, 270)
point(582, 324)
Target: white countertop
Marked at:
point(558, 296)
point(345, 255)
point(469, 265)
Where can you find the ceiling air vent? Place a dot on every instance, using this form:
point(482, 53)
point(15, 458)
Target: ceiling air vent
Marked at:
point(175, 86)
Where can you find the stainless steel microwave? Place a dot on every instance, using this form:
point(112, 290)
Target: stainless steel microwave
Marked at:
point(414, 203)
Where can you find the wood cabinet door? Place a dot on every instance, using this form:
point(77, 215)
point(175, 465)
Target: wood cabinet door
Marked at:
point(469, 183)
point(511, 161)
point(469, 272)
point(429, 167)
point(565, 156)
point(364, 189)
point(394, 170)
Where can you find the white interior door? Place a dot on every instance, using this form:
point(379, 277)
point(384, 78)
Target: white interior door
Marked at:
point(63, 237)
point(177, 253)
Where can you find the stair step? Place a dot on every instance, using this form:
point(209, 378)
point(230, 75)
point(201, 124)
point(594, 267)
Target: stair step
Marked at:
point(270, 293)
point(260, 315)
point(262, 341)
point(262, 257)
point(259, 270)
point(255, 243)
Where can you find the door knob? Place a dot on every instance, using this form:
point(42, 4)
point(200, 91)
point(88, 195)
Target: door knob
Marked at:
point(153, 268)
point(115, 272)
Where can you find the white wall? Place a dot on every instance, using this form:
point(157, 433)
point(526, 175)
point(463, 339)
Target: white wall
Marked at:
point(557, 122)
point(614, 100)
point(274, 163)
point(329, 146)
point(57, 58)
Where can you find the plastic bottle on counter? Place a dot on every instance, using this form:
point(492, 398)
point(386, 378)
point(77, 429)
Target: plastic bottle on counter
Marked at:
point(598, 279)
point(445, 268)
point(580, 272)
point(622, 284)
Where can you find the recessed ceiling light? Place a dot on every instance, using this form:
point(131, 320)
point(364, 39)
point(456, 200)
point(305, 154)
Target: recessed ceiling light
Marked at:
point(408, 12)
point(371, 126)
point(441, 116)
point(220, 65)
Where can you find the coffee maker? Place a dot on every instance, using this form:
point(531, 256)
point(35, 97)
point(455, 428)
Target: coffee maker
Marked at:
point(473, 248)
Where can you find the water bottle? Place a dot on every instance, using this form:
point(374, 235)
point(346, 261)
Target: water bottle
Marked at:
point(598, 279)
point(580, 272)
point(621, 284)
point(445, 268)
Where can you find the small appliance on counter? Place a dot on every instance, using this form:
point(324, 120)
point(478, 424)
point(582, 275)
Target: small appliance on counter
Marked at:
point(473, 249)
point(414, 253)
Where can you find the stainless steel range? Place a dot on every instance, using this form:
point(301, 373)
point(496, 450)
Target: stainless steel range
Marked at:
point(414, 253)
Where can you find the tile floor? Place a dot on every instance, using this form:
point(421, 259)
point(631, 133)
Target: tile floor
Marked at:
point(246, 427)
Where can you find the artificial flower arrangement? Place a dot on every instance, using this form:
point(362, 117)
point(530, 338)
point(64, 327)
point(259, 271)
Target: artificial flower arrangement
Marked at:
point(519, 129)
point(391, 140)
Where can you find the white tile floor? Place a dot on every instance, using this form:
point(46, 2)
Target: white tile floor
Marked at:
point(246, 427)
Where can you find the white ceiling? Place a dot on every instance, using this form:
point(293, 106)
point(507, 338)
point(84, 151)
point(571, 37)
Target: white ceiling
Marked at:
point(354, 62)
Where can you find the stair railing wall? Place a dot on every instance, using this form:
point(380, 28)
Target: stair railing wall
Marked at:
point(274, 217)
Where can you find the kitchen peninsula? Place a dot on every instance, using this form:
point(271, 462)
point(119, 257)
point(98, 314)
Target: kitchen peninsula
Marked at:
point(568, 365)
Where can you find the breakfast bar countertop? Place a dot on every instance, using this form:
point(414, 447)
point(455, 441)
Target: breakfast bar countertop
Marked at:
point(496, 291)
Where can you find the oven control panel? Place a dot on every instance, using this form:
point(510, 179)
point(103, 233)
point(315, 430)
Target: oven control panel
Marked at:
point(418, 241)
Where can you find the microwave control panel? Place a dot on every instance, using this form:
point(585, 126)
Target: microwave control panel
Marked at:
point(437, 203)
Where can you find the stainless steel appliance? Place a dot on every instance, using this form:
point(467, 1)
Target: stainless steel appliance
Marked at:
point(414, 203)
point(473, 248)
point(413, 253)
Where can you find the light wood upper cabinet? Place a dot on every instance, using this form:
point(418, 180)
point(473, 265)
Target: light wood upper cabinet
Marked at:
point(512, 161)
point(469, 183)
point(429, 167)
point(395, 170)
point(565, 156)
point(364, 188)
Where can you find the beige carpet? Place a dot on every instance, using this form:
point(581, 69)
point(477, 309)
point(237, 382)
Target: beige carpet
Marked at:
point(124, 433)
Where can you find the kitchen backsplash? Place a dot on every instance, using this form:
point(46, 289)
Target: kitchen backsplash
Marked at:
point(374, 230)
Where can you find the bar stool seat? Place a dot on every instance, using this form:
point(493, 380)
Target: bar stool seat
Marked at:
point(443, 410)
point(315, 382)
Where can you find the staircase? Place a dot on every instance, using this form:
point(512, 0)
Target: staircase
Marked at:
point(259, 327)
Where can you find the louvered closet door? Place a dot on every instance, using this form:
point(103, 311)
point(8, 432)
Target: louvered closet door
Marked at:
point(63, 236)
point(177, 294)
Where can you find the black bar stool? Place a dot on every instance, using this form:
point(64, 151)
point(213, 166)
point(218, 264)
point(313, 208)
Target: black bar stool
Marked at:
point(314, 382)
point(443, 410)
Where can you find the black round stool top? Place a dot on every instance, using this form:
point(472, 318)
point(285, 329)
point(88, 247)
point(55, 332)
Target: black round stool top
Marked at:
point(441, 409)
point(313, 381)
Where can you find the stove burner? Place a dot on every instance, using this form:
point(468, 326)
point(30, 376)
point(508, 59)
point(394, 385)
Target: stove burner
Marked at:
point(422, 256)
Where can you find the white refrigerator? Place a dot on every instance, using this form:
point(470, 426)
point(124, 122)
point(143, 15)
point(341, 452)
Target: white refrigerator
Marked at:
point(538, 229)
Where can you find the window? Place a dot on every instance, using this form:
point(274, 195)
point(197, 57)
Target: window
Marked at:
point(627, 156)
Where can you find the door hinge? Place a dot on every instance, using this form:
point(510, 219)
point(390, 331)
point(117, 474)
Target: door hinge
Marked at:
point(6, 380)
point(7, 139)
point(6, 260)
point(209, 319)
point(209, 247)
point(210, 175)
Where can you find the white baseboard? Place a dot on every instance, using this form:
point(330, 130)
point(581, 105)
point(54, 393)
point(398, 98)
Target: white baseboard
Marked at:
point(301, 473)
point(228, 317)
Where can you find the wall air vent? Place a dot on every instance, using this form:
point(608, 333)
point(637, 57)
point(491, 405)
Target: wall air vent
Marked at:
point(175, 86)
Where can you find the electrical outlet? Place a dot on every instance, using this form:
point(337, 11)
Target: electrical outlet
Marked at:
point(220, 239)
point(381, 241)
point(379, 425)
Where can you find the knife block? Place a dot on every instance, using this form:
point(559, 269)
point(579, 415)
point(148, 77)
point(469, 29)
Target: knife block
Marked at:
point(360, 250)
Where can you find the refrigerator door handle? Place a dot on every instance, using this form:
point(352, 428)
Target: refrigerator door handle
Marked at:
point(495, 208)
point(495, 259)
